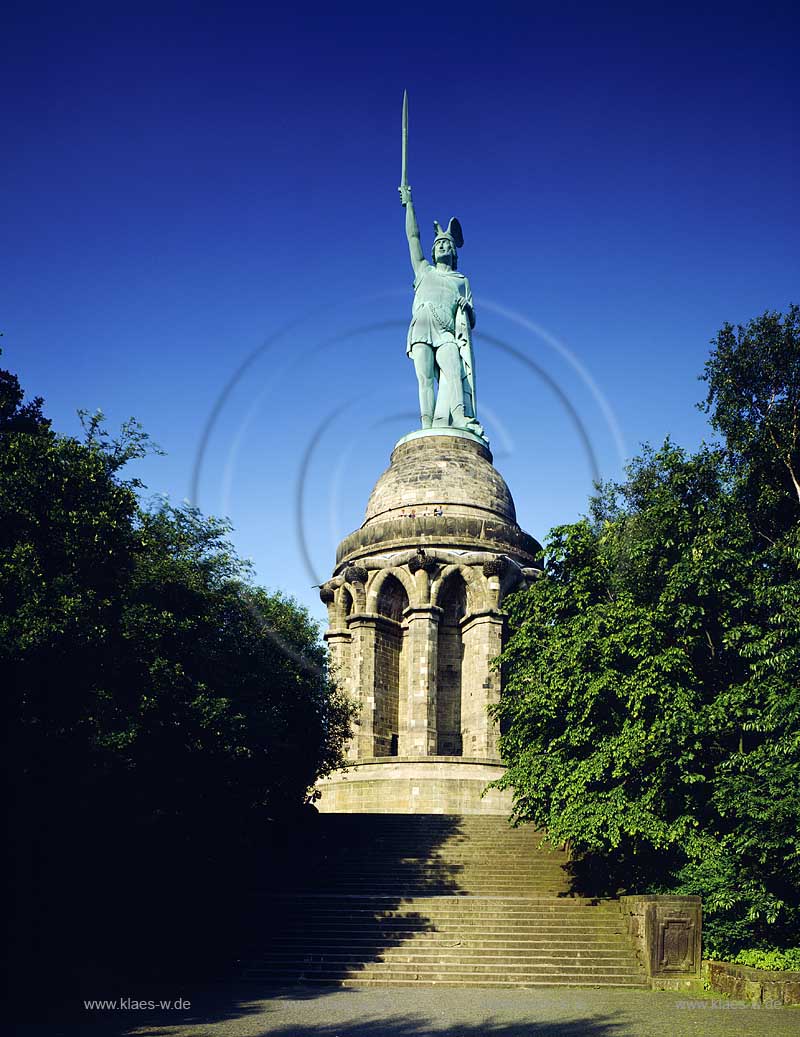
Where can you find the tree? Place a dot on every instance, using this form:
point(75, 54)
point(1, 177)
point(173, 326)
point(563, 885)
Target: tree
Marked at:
point(159, 707)
point(753, 377)
point(652, 715)
point(14, 415)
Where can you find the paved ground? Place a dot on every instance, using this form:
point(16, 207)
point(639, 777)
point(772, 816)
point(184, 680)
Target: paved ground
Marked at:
point(440, 1012)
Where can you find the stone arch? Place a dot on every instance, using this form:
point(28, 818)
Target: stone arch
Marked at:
point(402, 575)
point(391, 661)
point(451, 598)
point(345, 605)
point(477, 587)
point(358, 594)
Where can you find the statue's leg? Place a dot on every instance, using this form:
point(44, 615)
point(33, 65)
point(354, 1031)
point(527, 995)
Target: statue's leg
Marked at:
point(449, 361)
point(441, 412)
point(422, 355)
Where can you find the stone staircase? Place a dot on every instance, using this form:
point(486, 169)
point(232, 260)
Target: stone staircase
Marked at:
point(421, 899)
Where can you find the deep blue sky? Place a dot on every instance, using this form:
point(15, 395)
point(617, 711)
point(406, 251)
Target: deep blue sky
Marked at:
point(181, 182)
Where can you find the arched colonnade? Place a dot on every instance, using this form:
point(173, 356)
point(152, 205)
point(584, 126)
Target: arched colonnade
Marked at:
point(413, 644)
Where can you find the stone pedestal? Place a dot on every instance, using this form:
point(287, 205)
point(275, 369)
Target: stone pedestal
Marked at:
point(666, 931)
point(416, 619)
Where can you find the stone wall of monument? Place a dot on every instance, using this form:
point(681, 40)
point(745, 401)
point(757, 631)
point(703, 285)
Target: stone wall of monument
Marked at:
point(409, 785)
point(416, 621)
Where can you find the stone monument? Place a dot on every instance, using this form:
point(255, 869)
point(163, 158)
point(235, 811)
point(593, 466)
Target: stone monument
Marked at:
point(415, 599)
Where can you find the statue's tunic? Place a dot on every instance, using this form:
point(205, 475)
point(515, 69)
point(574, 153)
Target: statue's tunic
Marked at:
point(433, 315)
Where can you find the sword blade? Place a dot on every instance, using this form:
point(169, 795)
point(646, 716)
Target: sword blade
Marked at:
point(404, 172)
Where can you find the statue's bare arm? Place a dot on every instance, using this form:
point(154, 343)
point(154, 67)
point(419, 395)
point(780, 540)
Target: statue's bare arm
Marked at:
point(412, 230)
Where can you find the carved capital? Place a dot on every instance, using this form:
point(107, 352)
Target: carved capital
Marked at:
point(355, 574)
point(422, 561)
point(494, 567)
point(326, 595)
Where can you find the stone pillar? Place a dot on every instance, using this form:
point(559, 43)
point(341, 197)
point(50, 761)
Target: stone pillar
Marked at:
point(482, 633)
point(362, 674)
point(418, 712)
point(339, 646)
point(666, 931)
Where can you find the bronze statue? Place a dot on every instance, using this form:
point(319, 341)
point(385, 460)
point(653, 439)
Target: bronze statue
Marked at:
point(442, 319)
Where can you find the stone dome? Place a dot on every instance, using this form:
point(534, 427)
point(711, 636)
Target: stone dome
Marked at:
point(434, 473)
point(440, 491)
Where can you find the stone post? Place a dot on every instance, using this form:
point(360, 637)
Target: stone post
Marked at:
point(339, 647)
point(482, 634)
point(418, 712)
point(666, 931)
point(362, 670)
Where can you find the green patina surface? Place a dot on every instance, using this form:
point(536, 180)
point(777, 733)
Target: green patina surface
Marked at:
point(442, 318)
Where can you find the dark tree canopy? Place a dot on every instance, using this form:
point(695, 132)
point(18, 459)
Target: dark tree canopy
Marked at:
point(16, 416)
point(159, 706)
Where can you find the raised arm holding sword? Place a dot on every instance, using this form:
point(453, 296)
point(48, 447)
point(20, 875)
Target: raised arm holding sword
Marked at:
point(439, 337)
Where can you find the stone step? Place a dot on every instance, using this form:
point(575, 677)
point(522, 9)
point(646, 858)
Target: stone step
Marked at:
point(374, 879)
point(518, 861)
point(444, 864)
point(495, 876)
point(435, 913)
point(432, 891)
point(430, 842)
point(354, 900)
point(513, 864)
point(501, 970)
point(432, 909)
point(577, 934)
point(414, 900)
point(375, 821)
point(500, 946)
point(411, 844)
point(586, 916)
point(381, 877)
point(394, 905)
point(347, 882)
point(361, 980)
point(448, 955)
point(507, 941)
point(530, 920)
point(437, 973)
point(493, 928)
point(381, 835)
point(405, 842)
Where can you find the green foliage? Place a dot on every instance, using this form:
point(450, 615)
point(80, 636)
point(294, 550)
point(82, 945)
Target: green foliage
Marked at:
point(753, 399)
point(159, 706)
point(14, 415)
point(652, 714)
point(773, 960)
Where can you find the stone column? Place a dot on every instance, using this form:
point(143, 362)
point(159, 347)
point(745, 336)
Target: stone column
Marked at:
point(482, 633)
point(339, 645)
point(418, 712)
point(362, 674)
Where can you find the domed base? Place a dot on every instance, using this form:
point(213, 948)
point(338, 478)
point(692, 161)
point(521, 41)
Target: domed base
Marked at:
point(415, 785)
point(440, 490)
point(457, 433)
